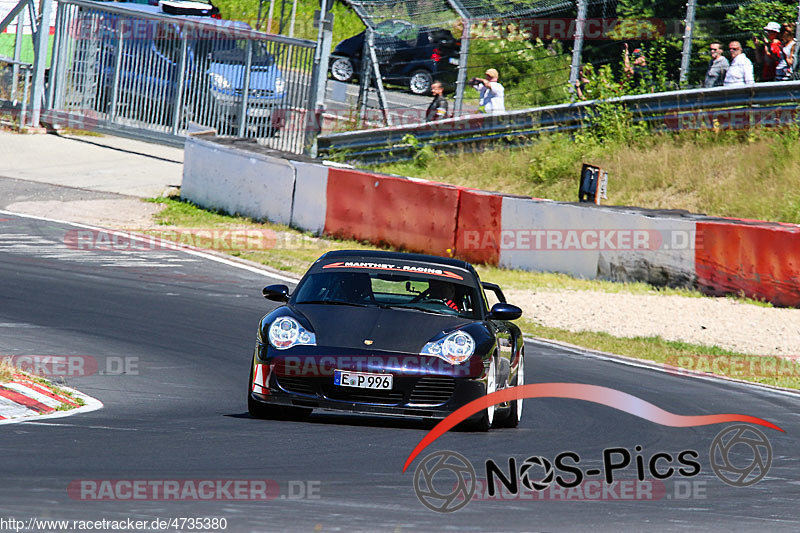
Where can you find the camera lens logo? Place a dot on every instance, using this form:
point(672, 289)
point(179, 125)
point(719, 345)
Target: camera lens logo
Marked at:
point(729, 455)
point(542, 463)
point(454, 472)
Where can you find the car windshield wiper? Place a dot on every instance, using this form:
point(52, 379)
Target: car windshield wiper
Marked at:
point(332, 302)
point(414, 307)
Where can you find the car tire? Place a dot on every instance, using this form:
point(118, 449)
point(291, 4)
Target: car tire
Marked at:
point(342, 69)
point(272, 412)
point(514, 415)
point(420, 82)
point(484, 423)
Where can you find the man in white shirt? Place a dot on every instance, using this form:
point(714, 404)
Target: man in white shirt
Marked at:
point(492, 97)
point(741, 69)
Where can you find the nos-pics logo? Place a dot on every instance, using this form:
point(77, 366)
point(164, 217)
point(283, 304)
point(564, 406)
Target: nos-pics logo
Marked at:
point(445, 481)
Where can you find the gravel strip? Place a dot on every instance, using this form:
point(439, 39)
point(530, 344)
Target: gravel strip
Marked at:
point(723, 322)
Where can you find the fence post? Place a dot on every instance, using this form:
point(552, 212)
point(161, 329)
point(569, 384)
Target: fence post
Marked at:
point(114, 103)
point(687, 42)
point(577, 47)
point(177, 107)
point(17, 52)
point(248, 67)
point(40, 62)
point(319, 78)
point(463, 55)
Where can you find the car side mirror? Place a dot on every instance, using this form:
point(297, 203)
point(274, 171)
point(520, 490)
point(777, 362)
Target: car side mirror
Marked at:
point(504, 311)
point(276, 293)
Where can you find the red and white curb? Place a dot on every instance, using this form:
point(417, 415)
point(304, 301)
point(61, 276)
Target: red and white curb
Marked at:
point(23, 398)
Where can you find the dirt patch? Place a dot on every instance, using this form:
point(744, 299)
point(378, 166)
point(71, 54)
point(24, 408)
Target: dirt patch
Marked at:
point(118, 213)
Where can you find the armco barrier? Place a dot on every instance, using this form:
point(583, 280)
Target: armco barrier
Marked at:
point(311, 189)
point(410, 214)
point(237, 181)
point(597, 242)
point(760, 260)
point(720, 256)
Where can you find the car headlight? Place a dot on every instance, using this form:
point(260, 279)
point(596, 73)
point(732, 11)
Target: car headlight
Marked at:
point(280, 85)
point(219, 81)
point(454, 348)
point(286, 332)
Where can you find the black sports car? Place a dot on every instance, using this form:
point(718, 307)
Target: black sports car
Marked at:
point(408, 55)
point(387, 333)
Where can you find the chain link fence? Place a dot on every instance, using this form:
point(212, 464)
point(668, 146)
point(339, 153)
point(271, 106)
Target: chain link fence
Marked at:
point(556, 51)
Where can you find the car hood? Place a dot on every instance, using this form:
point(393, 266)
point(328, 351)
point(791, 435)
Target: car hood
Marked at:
point(391, 330)
point(262, 78)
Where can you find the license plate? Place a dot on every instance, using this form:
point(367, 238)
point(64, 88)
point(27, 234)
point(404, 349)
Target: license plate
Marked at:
point(453, 60)
point(362, 380)
point(258, 112)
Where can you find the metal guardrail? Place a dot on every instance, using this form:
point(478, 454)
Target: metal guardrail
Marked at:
point(134, 71)
point(730, 107)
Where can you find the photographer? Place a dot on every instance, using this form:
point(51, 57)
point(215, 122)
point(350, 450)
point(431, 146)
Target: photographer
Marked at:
point(492, 93)
point(768, 50)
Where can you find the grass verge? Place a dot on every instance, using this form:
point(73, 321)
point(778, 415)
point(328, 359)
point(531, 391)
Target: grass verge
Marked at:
point(295, 251)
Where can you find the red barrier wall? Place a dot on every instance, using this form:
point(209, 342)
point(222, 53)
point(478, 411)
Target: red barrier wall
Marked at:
point(413, 215)
point(479, 225)
point(761, 261)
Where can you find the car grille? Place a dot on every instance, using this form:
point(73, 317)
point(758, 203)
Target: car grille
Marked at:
point(296, 385)
point(257, 93)
point(432, 390)
point(385, 397)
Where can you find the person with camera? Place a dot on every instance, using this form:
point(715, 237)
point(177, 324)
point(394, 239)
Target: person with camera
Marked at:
point(741, 69)
point(768, 50)
point(492, 93)
point(784, 70)
point(437, 110)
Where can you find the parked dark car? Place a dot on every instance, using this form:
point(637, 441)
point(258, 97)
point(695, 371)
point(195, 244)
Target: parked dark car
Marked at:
point(408, 55)
point(387, 333)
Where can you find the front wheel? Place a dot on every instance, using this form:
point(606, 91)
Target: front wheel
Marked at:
point(420, 82)
point(514, 415)
point(484, 423)
point(342, 69)
point(272, 412)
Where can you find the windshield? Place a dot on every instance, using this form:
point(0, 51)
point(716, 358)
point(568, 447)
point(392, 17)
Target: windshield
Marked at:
point(390, 291)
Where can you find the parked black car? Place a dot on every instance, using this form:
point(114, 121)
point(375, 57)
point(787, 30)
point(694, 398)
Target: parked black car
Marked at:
point(408, 55)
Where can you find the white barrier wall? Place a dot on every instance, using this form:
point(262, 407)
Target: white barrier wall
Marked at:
point(238, 182)
point(310, 191)
point(591, 242)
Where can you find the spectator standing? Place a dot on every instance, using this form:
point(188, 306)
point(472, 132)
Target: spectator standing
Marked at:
point(740, 71)
point(638, 71)
point(717, 68)
point(437, 110)
point(785, 68)
point(768, 50)
point(492, 93)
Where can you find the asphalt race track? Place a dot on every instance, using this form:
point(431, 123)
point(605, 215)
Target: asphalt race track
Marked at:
point(186, 327)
